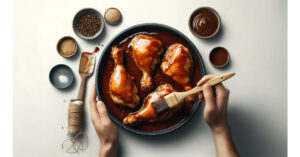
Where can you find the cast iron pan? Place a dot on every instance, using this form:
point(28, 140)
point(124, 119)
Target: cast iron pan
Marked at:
point(106, 54)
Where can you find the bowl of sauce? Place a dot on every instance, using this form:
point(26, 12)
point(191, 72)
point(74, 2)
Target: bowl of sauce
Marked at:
point(204, 22)
point(219, 57)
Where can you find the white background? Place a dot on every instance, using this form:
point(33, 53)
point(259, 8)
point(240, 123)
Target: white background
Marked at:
point(254, 33)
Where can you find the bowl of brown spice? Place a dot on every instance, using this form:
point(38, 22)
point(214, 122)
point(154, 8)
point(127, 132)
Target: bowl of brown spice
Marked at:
point(88, 24)
point(67, 46)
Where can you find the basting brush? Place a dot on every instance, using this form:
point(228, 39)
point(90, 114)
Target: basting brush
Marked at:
point(175, 98)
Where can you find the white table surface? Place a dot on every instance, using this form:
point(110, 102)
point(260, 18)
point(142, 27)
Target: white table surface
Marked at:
point(254, 31)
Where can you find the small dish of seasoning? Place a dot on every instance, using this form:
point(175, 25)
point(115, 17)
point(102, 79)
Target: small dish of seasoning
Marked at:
point(88, 24)
point(67, 46)
point(219, 57)
point(61, 76)
point(204, 22)
point(112, 16)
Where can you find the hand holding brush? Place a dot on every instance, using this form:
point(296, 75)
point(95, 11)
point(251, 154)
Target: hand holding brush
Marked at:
point(175, 98)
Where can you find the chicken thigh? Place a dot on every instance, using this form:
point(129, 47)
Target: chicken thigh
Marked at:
point(122, 88)
point(146, 53)
point(148, 113)
point(178, 64)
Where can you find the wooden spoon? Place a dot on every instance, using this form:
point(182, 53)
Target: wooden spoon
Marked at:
point(75, 112)
point(86, 68)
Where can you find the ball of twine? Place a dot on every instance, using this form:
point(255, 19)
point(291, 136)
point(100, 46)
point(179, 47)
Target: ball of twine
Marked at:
point(75, 118)
point(78, 141)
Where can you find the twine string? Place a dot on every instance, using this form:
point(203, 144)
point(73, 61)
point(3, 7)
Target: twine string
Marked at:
point(75, 119)
point(78, 140)
point(77, 144)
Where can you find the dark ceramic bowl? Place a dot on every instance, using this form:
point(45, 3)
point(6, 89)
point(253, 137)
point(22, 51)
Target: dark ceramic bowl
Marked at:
point(213, 51)
point(106, 54)
point(193, 15)
point(79, 14)
point(61, 70)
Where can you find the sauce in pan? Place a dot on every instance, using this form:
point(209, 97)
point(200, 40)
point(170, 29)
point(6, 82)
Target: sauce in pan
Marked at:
point(158, 76)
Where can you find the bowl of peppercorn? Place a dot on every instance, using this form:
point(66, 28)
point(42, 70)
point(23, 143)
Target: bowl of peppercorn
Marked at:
point(88, 24)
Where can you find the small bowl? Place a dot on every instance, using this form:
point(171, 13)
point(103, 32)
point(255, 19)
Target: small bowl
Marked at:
point(191, 21)
point(79, 14)
point(116, 17)
point(64, 71)
point(59, 44)
point(215, 50)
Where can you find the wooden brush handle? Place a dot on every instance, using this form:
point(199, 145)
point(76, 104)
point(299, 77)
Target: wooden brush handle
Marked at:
point(81, 92)
point(182, 95)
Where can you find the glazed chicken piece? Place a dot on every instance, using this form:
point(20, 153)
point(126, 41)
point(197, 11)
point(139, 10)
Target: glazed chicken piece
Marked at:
point(146, 53)
point(147, 112)
point(178, 64)
point(122, 88)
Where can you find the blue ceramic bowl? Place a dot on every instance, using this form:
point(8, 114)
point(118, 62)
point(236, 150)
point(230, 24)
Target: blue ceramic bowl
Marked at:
point(79, 14)
point(59, 72)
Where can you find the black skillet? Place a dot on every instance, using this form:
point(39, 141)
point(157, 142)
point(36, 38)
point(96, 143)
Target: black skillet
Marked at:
point(123, 35)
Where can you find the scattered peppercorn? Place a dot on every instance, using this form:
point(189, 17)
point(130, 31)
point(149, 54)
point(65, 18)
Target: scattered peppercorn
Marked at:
point(88, 24)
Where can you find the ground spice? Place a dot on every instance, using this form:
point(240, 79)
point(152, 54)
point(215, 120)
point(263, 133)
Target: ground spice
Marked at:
point(88, 24)
point(68, 47)
point(112, 16)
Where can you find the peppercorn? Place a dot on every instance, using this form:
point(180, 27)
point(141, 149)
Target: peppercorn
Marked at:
point(88, 24)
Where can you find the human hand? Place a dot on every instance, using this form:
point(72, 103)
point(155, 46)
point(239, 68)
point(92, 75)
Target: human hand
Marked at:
point(216, 99)
point(105, 128)
point(215, 114)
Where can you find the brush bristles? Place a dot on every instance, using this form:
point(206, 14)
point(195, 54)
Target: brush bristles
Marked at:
point(171, 100)
point(160, 105)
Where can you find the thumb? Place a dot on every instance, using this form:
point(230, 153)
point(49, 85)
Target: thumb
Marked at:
point(209, 96)
point(102, 111)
